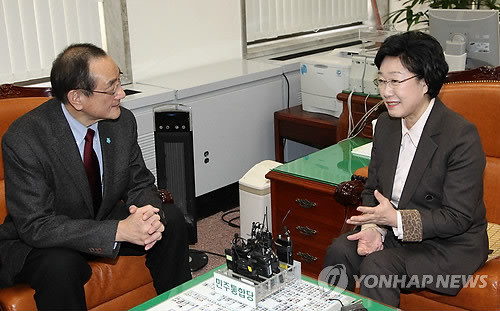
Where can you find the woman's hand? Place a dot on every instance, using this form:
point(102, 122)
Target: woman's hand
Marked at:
point(382, 214)
point(369, 241)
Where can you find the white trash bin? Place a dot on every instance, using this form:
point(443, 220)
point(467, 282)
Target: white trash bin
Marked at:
point(255, 197)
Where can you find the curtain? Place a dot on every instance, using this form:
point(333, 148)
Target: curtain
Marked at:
point(33, 32)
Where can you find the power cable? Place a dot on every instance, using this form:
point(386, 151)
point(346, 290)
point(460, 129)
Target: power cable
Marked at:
point(230, 222)
point(288, 90)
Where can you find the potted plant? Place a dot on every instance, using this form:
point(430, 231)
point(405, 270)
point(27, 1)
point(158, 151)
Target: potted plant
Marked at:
point(411, 14)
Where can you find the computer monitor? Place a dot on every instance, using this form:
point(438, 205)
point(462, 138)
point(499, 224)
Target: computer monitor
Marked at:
point(478, 29)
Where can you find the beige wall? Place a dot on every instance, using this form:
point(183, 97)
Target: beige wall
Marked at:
point(172, 35)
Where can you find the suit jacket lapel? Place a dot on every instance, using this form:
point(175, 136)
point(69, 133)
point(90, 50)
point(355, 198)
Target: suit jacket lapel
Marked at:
point(425, 151)
point(393, 140)
point(108, 149)
point(63, 145)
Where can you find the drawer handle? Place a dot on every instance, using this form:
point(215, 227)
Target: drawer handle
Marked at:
point(308, 258)
point(305, 203)
point(306, 230)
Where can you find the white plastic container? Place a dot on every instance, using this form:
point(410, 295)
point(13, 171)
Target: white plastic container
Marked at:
point(255, 197)
point(250, 292)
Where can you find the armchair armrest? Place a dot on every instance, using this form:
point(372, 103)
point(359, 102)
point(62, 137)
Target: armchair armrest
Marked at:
point(348, 193)
point(166, 196)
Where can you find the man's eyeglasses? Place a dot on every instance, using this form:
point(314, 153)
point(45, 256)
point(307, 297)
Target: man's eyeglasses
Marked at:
point(393, 83)
point(113, 92)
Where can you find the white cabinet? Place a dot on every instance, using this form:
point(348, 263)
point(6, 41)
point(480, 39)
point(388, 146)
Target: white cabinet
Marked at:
point(232, 109)
point(233, 129)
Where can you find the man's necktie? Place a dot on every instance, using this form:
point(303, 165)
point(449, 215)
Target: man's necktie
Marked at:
point(91, 164)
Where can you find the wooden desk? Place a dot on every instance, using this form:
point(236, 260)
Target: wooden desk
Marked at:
point(313, 129)
point(303, 191)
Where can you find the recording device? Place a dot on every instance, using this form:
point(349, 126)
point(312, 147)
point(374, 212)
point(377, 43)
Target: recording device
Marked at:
point(253, 258)
point(284, 248)
point(283, 244)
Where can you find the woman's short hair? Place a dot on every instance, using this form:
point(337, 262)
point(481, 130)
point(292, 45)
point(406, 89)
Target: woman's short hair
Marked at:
point(421, 54)
point(70, 70)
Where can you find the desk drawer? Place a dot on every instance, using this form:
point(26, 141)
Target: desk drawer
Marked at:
point(305, 207)
point(311, 231)
point(301, 202)
point(311, 257)
point(309, 211)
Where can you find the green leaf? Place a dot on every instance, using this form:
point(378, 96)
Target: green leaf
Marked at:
point(411, 17)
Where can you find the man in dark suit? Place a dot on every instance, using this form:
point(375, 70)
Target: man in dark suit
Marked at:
point(62, 210)
point(423, 221)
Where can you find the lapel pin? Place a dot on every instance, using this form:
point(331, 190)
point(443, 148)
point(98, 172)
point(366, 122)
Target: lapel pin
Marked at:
point(108, 140)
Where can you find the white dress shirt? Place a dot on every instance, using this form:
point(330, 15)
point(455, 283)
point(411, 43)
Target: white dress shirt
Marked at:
point(409, 143)
point(79, 131)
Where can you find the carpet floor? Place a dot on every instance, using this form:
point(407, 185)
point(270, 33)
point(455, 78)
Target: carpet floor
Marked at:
point(215, 235)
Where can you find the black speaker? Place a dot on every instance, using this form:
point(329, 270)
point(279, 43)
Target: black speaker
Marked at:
point(174, 160)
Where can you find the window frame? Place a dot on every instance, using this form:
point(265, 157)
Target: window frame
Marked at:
point(302, 41)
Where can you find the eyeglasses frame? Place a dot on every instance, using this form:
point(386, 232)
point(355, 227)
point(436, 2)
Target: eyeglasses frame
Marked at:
point(112, 93)
point(391, 82)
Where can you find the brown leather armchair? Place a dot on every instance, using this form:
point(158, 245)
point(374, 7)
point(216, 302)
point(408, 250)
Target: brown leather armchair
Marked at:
point(475, 95)
point(115, 284)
